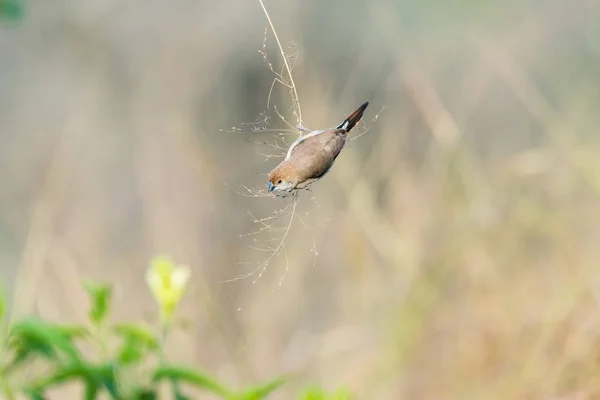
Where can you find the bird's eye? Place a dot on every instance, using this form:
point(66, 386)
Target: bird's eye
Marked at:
point(279, 181)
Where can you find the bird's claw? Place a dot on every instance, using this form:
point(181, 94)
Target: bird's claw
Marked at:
point(302, 128)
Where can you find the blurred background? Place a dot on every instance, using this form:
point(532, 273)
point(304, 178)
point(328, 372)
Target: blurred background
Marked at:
point(451, 253)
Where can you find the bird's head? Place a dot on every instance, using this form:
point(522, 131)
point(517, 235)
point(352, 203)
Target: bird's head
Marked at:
point(280, 182)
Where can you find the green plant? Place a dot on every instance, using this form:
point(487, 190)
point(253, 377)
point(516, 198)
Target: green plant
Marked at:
point(11, 9)
point(317, 393)
point(133, 369)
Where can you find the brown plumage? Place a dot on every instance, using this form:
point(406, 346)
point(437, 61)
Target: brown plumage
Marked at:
point(310, 157)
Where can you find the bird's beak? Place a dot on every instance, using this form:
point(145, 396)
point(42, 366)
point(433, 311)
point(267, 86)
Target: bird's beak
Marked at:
point(271, 186)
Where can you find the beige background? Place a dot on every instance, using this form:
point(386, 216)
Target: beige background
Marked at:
point(452, 251)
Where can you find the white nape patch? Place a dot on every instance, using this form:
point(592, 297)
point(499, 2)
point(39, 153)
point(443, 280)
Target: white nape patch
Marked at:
point(300, 140)
point(343, 125)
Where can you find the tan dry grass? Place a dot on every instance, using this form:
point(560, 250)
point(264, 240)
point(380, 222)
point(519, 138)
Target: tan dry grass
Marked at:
point(460, 260)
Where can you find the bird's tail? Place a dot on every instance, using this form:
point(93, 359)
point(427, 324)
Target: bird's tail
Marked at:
point(353, 118)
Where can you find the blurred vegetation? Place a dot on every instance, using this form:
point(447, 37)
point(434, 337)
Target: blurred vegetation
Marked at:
point(451, 253)
point(129, 361)
point(11, 9)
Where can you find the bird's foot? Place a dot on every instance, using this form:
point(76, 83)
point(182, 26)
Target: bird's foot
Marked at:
point(302, 128)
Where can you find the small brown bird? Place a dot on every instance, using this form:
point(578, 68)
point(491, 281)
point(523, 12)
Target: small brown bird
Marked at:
point(310, 157)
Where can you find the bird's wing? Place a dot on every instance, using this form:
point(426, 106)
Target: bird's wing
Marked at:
point(314, 155)
point(300, 140)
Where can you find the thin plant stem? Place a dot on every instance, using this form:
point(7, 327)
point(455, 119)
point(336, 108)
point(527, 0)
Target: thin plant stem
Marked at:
point(295, 99)
point(162, 359)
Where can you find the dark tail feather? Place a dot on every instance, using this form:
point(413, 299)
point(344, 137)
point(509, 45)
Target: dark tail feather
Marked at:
point(353, 118)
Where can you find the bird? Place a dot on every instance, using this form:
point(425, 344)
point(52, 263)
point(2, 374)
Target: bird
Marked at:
point(311, 156)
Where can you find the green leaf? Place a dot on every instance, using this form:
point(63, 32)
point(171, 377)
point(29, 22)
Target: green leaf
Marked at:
point(91, 391)
point(35, 395)
point(131, 352)
point(25, 346)
point(72, 331)
point(313, 394)
point(137, 342)
point(145, 394)
point(316, 393)
point(66, 373)
point(21, 346)
point(138, 333)
point(107, 377)
point(11, 9)
point(37, 336)
point(261, 392)
point(189, 376)
point(93, 377)
point(100, 296)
